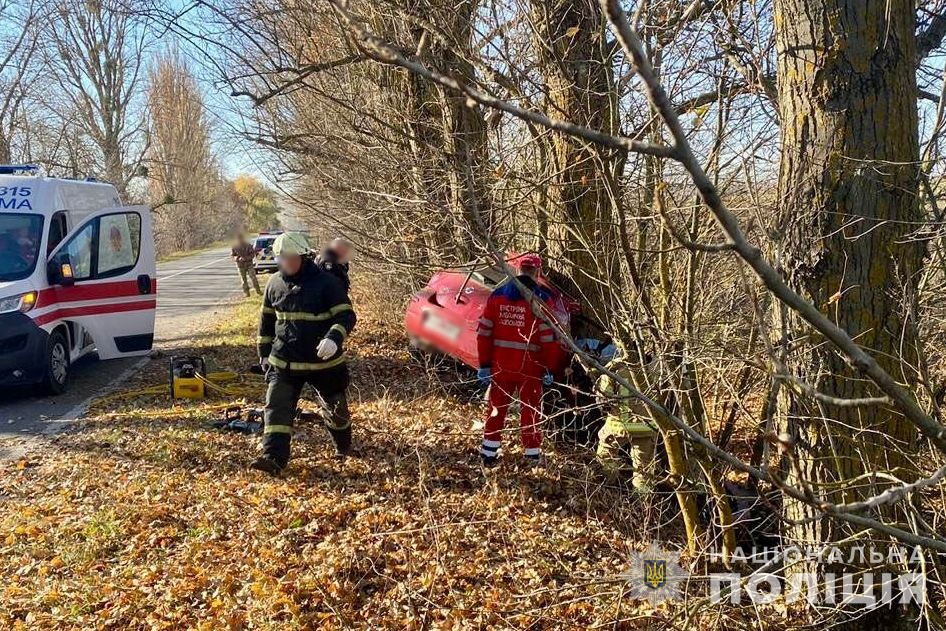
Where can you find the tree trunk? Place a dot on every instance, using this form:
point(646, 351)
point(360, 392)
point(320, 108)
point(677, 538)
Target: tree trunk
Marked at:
point(446, 136)
point(848, 188)
point(5, 153)
point(464, 131)
point(577, 72)
point(114, 167)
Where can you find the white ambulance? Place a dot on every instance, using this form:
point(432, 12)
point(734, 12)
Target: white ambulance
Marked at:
point(77, 275)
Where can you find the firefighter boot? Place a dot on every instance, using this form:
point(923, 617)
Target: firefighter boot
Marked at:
point(342, 440)
point(338, 423)
point(266, 465)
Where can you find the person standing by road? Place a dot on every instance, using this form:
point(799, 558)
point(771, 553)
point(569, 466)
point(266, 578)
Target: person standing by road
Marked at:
point(305, 319)
point(243, 254)
point(516, 352)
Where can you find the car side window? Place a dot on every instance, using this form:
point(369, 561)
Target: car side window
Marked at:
point(57, 231)
point(105, 247)
point(119, 242)
point(79, 249)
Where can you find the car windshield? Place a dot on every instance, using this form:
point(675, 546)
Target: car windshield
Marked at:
point(263, 243)
point(490, 276)
point(20, 236)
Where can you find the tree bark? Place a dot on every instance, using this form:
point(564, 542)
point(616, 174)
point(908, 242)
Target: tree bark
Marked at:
point(576, 67)
point(448, 136)
point(848, 186)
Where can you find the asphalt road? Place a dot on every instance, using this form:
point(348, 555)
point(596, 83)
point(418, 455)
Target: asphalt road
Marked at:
point(187, 289)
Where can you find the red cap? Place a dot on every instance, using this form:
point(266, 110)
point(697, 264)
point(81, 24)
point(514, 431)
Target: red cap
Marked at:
point(530, 260)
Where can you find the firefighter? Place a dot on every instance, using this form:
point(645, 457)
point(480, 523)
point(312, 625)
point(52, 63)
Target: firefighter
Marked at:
point(305, 319)
point(243, 254)
point(626, 442)
point(516, 352)
point(335, 259)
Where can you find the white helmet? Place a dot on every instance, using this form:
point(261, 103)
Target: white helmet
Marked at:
point(291, 243)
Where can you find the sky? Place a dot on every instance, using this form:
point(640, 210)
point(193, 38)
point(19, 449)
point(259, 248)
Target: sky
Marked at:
point(226, 113)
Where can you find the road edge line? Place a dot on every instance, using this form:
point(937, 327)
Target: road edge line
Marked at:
point(189, 269)
point(78, 411)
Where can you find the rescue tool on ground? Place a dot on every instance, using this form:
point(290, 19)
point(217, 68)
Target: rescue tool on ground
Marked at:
point(188, 377)
point(77, 275)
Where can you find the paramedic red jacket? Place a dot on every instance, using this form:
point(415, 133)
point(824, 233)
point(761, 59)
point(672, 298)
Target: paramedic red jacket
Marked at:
point(511, 340)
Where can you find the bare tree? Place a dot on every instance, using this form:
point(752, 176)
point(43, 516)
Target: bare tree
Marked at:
point(96, 51)
point(183, 174)
point(18, 68)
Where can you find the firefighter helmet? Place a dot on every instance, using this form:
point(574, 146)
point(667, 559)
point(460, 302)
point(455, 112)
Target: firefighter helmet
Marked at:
point(291, 243)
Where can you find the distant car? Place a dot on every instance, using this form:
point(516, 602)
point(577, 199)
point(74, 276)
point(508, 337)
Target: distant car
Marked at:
point(265, 262)
point(443, 316)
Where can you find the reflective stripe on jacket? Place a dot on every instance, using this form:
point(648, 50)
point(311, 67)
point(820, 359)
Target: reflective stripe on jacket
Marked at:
point(510, 338)
point(298, 312)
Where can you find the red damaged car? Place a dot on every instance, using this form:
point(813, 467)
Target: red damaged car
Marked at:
point(443, 316)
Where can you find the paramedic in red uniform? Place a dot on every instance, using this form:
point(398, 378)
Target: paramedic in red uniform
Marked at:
point(516, 351)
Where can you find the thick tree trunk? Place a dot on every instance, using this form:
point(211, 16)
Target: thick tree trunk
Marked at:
point(5, 152)
point(848, 202)
point(577, 72)
point(114, 164)
point(448, 138)
point(464, 131)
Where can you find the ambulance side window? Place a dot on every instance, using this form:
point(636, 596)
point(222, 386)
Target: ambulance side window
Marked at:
point(119, 242)
point(105, 247)
point(79, 250)
point(57, 231)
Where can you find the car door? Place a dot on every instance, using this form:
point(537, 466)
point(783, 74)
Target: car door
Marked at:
point(113, 290)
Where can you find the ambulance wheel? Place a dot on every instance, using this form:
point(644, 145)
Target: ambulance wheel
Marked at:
point(57, 364)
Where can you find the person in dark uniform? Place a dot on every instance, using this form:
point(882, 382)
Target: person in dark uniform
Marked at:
point(305, 319)
point(335, 259)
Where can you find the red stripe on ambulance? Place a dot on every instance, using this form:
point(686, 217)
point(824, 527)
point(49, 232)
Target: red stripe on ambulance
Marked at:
point(96, 291)
point(68, 312)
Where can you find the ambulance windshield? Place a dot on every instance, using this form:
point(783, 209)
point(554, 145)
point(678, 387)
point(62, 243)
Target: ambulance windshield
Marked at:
point(20, 237)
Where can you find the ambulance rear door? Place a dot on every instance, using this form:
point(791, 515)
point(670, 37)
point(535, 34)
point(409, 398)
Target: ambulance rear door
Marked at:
point(102, 277)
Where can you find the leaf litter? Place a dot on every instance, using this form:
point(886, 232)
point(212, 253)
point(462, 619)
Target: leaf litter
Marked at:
point(142, 518)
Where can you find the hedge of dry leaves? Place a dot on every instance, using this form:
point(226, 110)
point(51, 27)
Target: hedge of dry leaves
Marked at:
point(142, 517)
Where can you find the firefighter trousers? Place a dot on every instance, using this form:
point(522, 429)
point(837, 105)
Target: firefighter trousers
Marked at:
point(501, 391)
point(282, 400)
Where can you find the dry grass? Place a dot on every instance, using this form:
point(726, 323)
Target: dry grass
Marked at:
point(143, 518)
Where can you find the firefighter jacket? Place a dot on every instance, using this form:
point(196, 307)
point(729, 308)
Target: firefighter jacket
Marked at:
point(328, 262)
point(298, 311)
point(629, 414)
point(511, 340)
